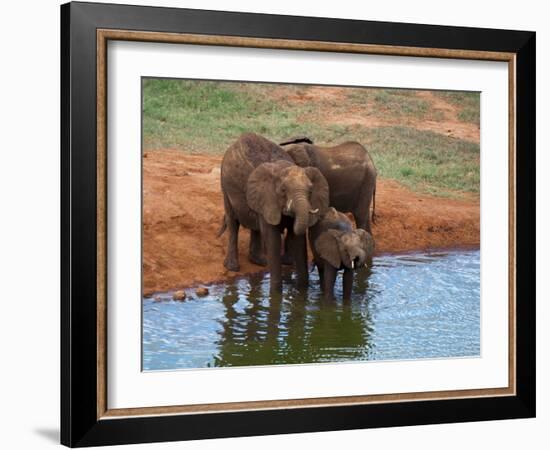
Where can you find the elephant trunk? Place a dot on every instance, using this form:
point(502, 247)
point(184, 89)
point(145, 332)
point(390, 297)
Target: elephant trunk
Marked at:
point(301, 214)
point(357, 257)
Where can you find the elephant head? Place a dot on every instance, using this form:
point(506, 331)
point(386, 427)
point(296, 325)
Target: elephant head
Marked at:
point(302, 151)
point(352, 249)
point(280, 187)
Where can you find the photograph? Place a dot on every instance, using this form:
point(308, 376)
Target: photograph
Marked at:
point(307, 224)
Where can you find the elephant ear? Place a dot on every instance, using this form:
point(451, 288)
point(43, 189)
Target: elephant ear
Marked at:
point(304, 155)
point(299, 155)
point(367, 242)
point(327, 245)
point(319, 193)
point(261, 194)
point(313, 153)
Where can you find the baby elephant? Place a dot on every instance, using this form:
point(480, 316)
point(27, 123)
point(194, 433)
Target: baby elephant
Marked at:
point(337, 245)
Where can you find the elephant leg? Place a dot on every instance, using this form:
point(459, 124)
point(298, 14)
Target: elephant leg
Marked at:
point(287, 254)
point(361, 216)
point(273, 250)
point(320, 270)
point(298, 250)
point(231, 261)
point(255, 251)
point(361, 212)
point(347, 283)
point(329, 276)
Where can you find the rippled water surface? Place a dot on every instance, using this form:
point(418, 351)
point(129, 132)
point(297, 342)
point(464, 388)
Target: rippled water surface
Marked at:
point(406, 307)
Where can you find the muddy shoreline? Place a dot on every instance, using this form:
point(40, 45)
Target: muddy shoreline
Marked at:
point(190, 289)
point(183, 209)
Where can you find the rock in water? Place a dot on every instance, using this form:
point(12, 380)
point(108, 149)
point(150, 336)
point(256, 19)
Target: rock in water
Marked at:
point(157, 298)
point(201, 291)
point(179, 296)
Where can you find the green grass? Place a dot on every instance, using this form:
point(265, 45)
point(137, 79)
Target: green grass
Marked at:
point(468, 103)
point(394, 103)
point(398, 102)
point(206, 117)
point(424, 160)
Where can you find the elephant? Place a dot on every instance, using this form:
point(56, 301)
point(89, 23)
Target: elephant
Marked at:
point(264, 191)
point(337, 245)
point(349, 171)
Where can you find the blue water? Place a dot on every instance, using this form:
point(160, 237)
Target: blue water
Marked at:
point(421, 305)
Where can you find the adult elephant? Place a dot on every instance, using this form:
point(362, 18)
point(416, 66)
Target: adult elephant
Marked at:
point(349, 171)
point(264, 190)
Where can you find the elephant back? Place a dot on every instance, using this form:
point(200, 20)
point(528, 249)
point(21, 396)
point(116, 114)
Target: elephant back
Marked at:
point(255, 150)
point(245, 154)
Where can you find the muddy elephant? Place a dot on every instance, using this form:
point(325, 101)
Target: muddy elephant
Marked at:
point(337, 245)
point(349, 171)
point(264, 191)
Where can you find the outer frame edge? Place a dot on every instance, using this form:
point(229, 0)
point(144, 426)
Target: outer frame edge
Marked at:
point(523, 405)
point(65, 369)
point(76, 420)
point(526, 224)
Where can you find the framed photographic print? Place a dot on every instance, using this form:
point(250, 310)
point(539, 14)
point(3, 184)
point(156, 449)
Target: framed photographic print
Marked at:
point(276, 224)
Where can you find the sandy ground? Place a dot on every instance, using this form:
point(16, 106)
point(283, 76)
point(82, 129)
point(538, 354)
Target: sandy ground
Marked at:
point(370, 116)
point(183, 209)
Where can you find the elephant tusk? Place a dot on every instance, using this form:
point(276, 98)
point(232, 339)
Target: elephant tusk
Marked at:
point(288, 205)
point(314, 211)
point(352, 264)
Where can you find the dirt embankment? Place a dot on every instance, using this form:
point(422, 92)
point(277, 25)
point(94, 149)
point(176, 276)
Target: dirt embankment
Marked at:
point(183, 209)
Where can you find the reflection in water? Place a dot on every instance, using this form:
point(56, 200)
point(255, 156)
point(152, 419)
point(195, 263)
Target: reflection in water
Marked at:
point(261, 328)
point(405, 307)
